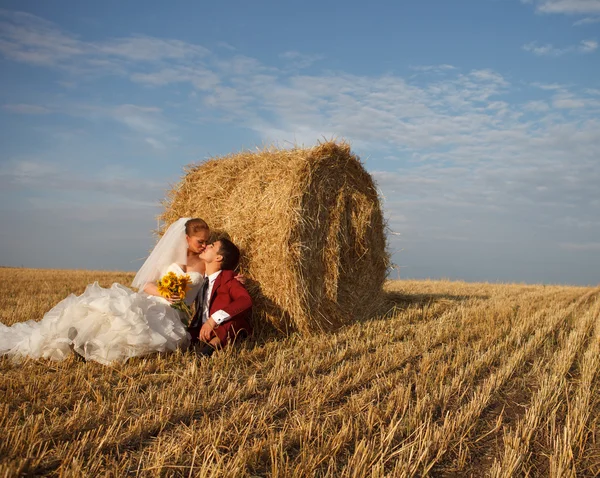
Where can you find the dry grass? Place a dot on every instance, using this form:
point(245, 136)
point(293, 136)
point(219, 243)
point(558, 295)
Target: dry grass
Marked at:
point(310, 225)
point(457, 379)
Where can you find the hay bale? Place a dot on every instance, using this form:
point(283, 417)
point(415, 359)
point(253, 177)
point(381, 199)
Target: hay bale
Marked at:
point(309, 224)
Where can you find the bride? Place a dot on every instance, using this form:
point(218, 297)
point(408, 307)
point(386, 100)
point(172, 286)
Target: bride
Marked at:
point(114, 324)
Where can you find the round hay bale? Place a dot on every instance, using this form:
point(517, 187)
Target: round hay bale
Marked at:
point(309, 224)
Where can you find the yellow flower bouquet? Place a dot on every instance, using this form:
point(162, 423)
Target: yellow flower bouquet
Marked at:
point(171, 285)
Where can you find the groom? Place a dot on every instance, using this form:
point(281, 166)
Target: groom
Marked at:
point(223, 305)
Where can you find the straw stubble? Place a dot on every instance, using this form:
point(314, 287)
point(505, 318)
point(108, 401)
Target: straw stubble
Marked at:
point(452, 383)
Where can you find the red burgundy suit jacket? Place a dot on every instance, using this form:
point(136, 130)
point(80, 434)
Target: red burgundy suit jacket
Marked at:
point(232, 297)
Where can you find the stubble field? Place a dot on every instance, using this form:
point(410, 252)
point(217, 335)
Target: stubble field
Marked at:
point(457, 379)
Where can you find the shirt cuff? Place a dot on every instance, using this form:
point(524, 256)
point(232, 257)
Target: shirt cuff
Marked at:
point(220, 316)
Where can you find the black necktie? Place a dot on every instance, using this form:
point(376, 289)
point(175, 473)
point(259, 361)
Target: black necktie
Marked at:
point(199, 303)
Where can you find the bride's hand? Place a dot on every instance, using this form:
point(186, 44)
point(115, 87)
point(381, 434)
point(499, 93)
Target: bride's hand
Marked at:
point(173, 299)
point(241, 278)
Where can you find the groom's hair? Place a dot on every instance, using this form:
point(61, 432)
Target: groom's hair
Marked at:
point(195, 225)
point(230, 254)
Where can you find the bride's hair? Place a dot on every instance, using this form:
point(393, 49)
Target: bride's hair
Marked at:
point(195, 225)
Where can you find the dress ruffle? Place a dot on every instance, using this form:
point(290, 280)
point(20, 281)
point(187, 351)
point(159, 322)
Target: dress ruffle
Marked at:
point(105, 325)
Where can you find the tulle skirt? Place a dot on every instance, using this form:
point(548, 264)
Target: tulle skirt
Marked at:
point(105, 325)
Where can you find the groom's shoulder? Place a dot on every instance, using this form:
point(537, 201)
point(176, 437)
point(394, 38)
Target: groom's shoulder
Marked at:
point(230, 282)
point(227, 276)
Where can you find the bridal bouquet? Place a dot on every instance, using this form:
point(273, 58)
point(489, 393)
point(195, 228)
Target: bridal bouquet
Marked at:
point(172, 284)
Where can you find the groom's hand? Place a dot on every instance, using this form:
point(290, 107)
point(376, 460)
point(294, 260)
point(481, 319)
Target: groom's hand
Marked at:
point(207, 328)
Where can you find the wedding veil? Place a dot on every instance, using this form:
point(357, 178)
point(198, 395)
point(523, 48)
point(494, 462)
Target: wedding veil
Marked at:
point(171, 248)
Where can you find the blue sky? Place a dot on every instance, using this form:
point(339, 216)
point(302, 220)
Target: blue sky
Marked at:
point(480, 121)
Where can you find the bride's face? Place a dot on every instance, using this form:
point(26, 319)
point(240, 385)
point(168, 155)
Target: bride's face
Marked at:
point(197, 243)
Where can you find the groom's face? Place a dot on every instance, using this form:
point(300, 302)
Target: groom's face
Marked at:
point(211, 252)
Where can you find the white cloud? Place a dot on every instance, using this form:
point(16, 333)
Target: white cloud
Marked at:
point(588, 46)
point(33, 40)
point(548, 86)
point(156, 144)
point(30, 39)
point(299, 60)
point(566, 100)
point(536, 106)
point(568, 103)
point(202, 78)
point(226, 46)
point(586, 21)
point(27, 109)
point(433, 68)
point(46, 175)
point(143, 48)
point(544, 50)
point(146, 121)
point(566, 6)
point(585, 46)
point(243, 65)
point(27, 170)
point(490, 76)
point(145, 124)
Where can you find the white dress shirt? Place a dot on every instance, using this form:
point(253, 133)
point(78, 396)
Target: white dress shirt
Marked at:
point(219, 316)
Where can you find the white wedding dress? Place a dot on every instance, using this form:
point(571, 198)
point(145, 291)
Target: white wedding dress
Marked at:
point(105, 325)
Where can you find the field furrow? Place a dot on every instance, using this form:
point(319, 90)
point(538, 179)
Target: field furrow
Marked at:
point(570, 440)
point(434, 440)
point(517, 440)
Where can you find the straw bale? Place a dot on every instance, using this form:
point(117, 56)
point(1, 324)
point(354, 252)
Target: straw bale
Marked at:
point(310, 226)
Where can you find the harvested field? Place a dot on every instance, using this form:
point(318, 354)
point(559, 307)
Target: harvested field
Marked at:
point(458, 379)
